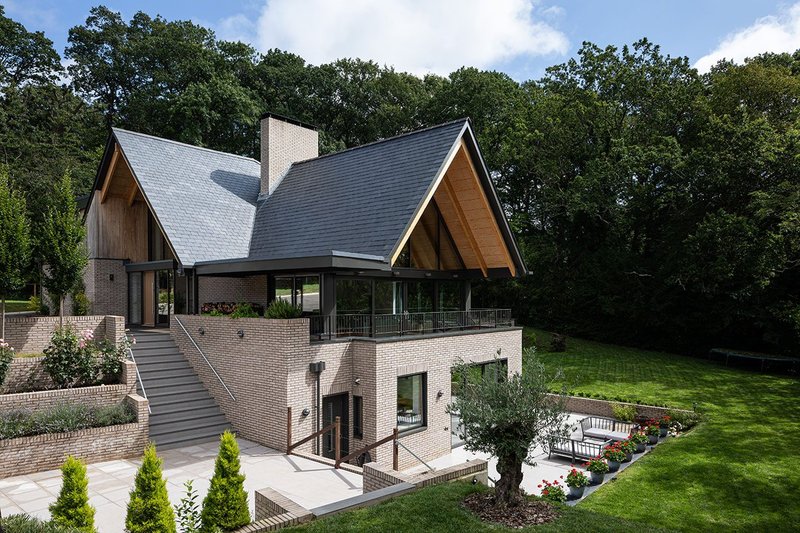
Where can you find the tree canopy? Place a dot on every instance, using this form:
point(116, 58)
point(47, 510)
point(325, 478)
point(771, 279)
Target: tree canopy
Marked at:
point(654, 205)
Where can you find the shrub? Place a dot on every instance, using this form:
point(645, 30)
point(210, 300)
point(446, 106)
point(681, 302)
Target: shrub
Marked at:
point(188, 512)
point(597, 465)
point(282, 309)
point(72, 508)
point(577, 479)
point(149, 509)
point(80, 304)
point(62, 418)
point(22, 523)
point(68, 360)
point(109, 360)
point(38, 305)
point(558, 343)
point(626, 413)
point(638, 437)
point(225, 506)
point(553, 492)
point(244, 310)
point(653, 430)
point(613, 452)
point(6, 356)
point(687, 420)
point(627, 446)
point(228, 308)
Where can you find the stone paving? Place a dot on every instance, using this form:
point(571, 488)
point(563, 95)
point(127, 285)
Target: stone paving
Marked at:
point(309, 483)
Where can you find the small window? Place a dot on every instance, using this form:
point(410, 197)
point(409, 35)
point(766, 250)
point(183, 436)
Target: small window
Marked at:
point(411, 402)
point(358, 417)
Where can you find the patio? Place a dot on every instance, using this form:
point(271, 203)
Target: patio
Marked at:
point(110, 482)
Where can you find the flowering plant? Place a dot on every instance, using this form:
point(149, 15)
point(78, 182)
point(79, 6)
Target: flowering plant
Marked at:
point(664, 421)
point(553, 492)
point(627, 446)
point(577, 479)
point(653, 430)
point(6, 355)
point(597, 466)
point(613, 452)
point(638, 437)
point(77, 359)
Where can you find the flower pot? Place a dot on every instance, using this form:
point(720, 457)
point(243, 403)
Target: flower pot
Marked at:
point(576, 492)
point(641, 447)
point(628, 457)
point(652, 439)
point(597, 478)
point(663, 432)
point(613, 466)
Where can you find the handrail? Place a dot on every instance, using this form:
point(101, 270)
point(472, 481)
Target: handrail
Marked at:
point(178, 320)
point(417, 457)
point(139, 379)
point(392, 437)
point(329, 427)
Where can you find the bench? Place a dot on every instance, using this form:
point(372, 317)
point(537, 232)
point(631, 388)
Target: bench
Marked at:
point(576, 449)
point(597, 427)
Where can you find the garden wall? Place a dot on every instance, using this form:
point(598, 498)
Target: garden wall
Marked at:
point(25, 455)
point(593, 406)
point(31, 334)
point(27, 374)
point(378, 476)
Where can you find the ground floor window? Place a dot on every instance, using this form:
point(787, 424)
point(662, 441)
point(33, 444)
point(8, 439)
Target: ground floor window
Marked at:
point(358, 417)
point(496, 370)
point(411, 402)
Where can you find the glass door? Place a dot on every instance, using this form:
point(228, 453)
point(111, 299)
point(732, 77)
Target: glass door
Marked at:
point(164, 297)
point(135, 298)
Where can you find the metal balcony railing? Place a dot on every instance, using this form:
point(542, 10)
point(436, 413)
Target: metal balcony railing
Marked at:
point(399, 325)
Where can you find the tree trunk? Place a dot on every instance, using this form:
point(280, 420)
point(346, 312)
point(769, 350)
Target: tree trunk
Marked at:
point(61, 311)
point(506, 490)
point(3, 322)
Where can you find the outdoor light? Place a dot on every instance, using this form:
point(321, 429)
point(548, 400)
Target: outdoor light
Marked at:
point(306, 411)
point(111, 277)
point(440, 394)
point(240, 333)
point(357, 381)
point(427, 274)
point(201, 331)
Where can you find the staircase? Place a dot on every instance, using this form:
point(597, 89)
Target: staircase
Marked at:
point(183, 412)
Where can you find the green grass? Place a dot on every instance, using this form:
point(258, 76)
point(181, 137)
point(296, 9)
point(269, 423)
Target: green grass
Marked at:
point(738, 470)
point(439, 509)
point(18, 305)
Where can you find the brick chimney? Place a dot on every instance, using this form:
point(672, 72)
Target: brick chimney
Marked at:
point(284, 141)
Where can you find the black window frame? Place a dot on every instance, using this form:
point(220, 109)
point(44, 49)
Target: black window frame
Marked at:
point(424, 422)
point(358, 417)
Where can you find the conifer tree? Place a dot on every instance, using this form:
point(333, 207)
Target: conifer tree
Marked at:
point(225, 506)
point(149, 509)
point(72, 509)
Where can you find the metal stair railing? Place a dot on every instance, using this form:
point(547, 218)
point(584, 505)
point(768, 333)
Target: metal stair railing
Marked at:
point(214, 370)
point(139, 379)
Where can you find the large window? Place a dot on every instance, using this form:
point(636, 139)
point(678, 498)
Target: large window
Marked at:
point(300, 291)
point(430, 246)
point(411, 402)
point(353, 297)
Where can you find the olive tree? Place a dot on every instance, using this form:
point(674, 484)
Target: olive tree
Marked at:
point(508, 418)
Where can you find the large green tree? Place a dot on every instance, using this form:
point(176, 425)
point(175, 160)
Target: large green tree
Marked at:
point(14, 244)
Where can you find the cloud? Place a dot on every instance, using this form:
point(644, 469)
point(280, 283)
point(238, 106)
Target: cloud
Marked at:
point(418, 36)
point(34, 17)
point(776, 33)
point(238, 27)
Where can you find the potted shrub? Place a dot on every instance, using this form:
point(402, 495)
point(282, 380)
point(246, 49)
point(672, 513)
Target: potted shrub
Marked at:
point(614, 455)
point(598, 469)
point(577, 482)
point(553, 492)
point(653, 431)
point(640, 440)
point(627, 447)
point(663, 425)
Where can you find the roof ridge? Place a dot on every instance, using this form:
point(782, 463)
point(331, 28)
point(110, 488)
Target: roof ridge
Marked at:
point(387, 139)
point(184, 144)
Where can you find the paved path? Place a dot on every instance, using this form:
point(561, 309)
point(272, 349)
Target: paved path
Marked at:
point(307, 482)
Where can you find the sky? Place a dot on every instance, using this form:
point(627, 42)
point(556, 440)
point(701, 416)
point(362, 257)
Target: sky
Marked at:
point(519, 37)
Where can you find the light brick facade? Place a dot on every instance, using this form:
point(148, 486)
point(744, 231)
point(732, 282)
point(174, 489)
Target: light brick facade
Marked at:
point(250, 289)
point(31, 334)
point(106, 286)
point(283, 143)
point(268, 369)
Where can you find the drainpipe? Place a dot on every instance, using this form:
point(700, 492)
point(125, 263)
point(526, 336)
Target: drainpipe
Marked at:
point(317, 368)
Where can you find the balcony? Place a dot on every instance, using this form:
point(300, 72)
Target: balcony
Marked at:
point(405, 324)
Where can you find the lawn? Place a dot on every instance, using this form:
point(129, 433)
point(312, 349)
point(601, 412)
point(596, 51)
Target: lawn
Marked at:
point(18, 305)
point(738, 470)
point(438, 509)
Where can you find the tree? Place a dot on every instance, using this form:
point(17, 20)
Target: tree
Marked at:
point(225, 506)
point(62, 243)
point(149, 508)
point(14, 243)
point(508, 418)
point(71, 509)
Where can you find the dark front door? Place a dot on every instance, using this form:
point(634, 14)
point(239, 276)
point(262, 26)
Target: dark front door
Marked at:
point(333, 406)
point(164, 297)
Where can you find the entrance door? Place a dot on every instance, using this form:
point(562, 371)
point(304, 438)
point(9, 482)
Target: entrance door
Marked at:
point(164, 297)
point(333, 406)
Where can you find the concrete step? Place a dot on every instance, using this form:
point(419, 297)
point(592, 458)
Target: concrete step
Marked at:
point(194, 413)
point(166, 427)
point(157, 390)
point(188, 438)
point(163, 366)
point(162, 375)
point(185, 406)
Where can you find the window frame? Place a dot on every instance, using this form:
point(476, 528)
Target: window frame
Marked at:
point(424, 403)
point(358, 417)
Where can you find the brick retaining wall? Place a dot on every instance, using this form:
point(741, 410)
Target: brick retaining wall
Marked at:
point(593, 406)
point(31, 334)
point(27, 374)
point(26, 455)
point(378, 476)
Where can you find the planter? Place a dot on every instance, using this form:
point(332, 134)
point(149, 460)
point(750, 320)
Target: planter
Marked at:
point(576, 492)
point(641, 447)
point(628, 458)
point(663, 432)
point(596, 478)
point(613, 466)
point(652, 439)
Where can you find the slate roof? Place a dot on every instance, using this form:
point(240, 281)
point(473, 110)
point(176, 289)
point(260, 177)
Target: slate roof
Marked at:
point(357, 201)
point(203, 199)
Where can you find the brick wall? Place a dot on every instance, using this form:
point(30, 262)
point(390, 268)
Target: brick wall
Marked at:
point(107, 296)
point(378, 476)
point(251, 289)
point(45, 452)
point(592, 406)
point(31, 334)
point(268, 369)
point(283, 143)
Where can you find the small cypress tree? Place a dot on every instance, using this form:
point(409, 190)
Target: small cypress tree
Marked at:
point(149, 509)
point(225, 505)
point(72, 508)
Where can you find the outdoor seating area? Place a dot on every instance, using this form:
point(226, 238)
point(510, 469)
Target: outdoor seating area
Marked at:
point(597, 427)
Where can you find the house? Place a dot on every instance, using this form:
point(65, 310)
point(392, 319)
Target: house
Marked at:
point(377, 245)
